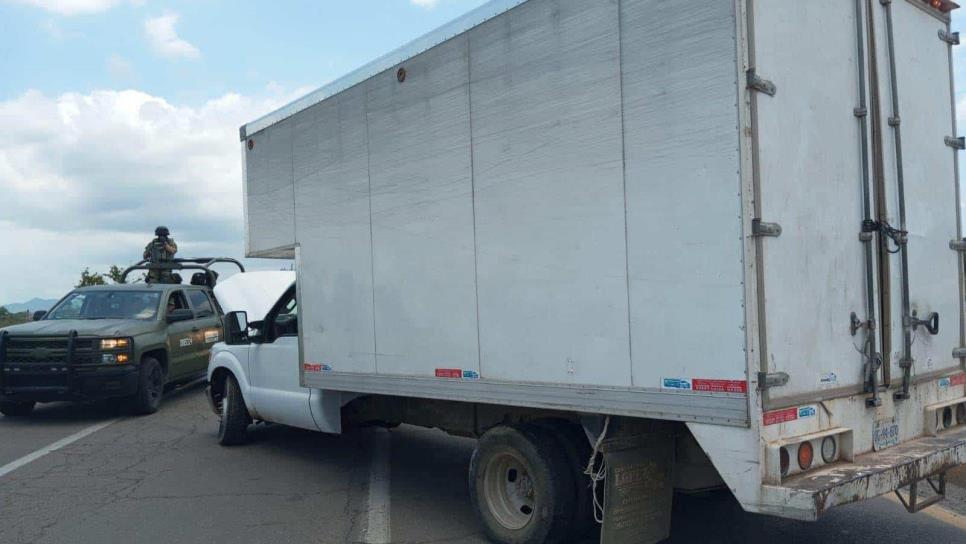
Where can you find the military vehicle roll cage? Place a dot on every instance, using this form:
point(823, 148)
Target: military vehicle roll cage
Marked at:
point(201, 263)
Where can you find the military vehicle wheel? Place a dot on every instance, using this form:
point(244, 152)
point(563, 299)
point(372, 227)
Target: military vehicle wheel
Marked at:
point(235, 419)
point(521, 486)
point(16, 409)
point(150, 387)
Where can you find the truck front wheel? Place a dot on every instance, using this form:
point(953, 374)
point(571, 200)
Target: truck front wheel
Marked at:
point(147, 400)
point(16, 409)
point(233, 428)
point(521, 486)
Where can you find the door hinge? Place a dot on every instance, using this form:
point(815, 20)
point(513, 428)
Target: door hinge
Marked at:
point(952, 38)
point(958, 245)
point(760, 228)
point(761, 85)
point(774, 379)
point(959, 353)
point(956, 143)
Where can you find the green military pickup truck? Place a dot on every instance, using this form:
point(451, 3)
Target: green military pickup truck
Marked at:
point(123, 342)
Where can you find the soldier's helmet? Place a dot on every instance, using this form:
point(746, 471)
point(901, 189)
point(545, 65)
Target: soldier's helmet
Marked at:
point(162, 231)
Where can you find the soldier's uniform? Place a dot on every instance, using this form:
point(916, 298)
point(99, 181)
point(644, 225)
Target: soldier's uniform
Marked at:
point(164, 255)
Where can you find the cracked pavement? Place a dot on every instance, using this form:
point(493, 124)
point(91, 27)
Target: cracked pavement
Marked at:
point(164, 479)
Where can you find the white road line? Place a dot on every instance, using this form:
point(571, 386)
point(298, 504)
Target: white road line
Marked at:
point(377, 526)
point(62, 443)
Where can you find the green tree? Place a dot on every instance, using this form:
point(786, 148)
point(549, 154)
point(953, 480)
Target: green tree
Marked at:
point(89, 278)
point(116, 274)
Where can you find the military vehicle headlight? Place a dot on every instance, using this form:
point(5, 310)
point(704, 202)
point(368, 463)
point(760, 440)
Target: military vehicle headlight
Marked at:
point(115, 343)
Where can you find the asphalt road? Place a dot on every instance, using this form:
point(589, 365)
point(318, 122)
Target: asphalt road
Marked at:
point(164, 479)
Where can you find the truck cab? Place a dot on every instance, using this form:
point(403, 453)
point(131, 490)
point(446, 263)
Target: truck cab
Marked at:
point(254, 374)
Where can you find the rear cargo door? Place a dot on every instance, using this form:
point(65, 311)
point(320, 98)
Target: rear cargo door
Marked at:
point(928, 164)
point(810, 178)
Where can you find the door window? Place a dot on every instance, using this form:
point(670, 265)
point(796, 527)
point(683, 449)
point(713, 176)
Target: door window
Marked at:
point(201, 304)
point(285, 321)
point(176, 301)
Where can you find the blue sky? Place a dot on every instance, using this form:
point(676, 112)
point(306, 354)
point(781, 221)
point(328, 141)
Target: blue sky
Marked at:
point(242, 46)
point(119, 115)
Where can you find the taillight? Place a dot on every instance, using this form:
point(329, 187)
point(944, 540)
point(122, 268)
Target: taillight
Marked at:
point(806, 455)
point(785, 461)
point(961, 414)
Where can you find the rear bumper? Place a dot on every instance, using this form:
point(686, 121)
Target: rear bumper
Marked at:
point(810, 495)
point(47, 385)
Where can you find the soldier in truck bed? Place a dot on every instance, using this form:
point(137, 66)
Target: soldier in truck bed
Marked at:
point(162, 249)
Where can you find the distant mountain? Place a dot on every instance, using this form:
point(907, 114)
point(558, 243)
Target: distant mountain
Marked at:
point(31, 305)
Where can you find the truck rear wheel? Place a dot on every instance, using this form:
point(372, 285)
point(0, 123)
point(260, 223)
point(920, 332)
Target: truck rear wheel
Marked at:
point(16, 409)
point(578, 450)
point(147, 400)
point(521, 486)
point(235, 419)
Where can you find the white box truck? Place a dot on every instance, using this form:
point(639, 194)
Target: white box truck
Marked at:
point(723, 230)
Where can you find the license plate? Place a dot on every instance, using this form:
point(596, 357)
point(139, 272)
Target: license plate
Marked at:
point(885, 434)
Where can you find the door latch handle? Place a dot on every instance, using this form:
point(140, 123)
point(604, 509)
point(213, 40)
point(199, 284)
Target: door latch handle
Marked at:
point(931, 323)
point(195, 329)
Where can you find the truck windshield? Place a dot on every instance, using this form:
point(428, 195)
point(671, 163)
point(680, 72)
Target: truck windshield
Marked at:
point(108, 305)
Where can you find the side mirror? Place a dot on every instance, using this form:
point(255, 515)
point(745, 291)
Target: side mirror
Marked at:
point(236, 328)
point(178, 316)
point(39, 315)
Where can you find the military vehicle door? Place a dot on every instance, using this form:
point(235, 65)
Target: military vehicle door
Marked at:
point(205, 330)
point(181, 342)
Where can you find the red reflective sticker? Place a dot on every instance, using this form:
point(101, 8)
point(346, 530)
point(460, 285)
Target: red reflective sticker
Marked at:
point(958, 379)
point(719, 386)
point(781, 416)
point(449, 373)
point(309, 367)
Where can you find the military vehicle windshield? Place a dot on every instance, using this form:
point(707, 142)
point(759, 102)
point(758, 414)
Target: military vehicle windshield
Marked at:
point(108, 305)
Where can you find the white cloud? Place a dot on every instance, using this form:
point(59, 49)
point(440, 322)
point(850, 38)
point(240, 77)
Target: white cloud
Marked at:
point(165, 40)
point(72, 7)
point(428, 4)
point(85, 178)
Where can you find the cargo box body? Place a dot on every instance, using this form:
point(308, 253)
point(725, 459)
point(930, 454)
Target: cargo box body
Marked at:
point(636, 208)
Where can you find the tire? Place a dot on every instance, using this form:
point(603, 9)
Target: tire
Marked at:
point(575, 445)
point(16, 409)
point(147, 400)
point(235, 419)
point(521, 486)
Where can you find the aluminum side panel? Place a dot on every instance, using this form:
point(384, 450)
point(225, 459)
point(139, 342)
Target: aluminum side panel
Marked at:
point(810, 168)
point(269, 192)
point(332, 218)
point(683, 191)
point(422, 215)
point(925, 104)
point(549, 194)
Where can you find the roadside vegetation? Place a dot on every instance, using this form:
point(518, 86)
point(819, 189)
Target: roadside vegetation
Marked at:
point(8, 318)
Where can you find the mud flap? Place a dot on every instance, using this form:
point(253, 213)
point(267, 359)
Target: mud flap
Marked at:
point(638, 488)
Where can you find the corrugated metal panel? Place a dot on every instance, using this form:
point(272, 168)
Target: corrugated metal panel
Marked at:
point(269, 192)
point(332, 219)
point(477, 16)
point(422, 215)
point(549, 194)
point(683, 206)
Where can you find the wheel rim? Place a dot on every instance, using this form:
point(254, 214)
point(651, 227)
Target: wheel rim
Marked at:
point(155, 385)
point(508, 490)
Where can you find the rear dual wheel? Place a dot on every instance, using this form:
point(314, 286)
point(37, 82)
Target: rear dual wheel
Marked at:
point(522, 486)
